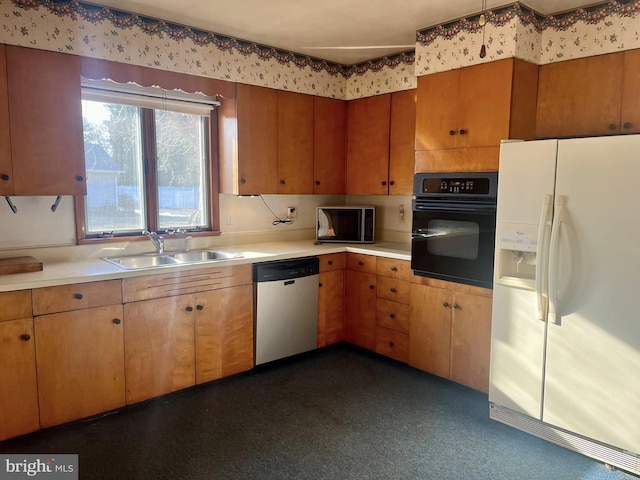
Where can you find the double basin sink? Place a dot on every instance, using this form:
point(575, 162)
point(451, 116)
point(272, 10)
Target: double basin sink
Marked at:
point(168, 259)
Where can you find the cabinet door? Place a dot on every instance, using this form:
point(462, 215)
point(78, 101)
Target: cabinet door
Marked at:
point(471, 340)
point(368, 145)
point(224, 332)
point(80, 360)
point(331, 308)
point(18, 385)
point(402, 142)
point(437, 110)
point(630, 114)
point(484, 105)
point(430, 329)
point(257, 110)
point(360, 310)
point(295, 143)
point(329, 145)
point(45, 109)
point(6, 169)
point(159, 346)
point(580, 97)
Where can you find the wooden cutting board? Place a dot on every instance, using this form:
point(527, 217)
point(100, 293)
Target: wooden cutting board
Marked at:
point(19, 265)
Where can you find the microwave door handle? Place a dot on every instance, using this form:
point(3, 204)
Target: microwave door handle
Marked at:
point(542, 255)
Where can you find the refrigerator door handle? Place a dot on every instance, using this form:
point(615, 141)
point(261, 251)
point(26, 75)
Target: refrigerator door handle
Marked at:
point(560, 209)
point(542, 255)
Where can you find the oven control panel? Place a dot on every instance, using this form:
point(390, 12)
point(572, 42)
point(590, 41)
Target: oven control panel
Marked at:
point(477, 186)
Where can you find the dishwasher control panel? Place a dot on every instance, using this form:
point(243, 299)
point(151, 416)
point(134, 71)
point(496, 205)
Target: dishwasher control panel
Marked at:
point(285, 269)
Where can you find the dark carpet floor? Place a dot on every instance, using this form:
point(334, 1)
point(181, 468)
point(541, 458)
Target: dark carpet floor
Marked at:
point(339, 413)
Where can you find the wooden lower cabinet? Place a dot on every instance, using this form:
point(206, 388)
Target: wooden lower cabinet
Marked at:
point(18, 383)
point(159, 348)
point(80, 361)
point(331, 305)
point(360, 312)
point(224, 332)
point(450, 333)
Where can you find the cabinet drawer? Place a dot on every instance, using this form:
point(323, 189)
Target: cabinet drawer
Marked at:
point(392, 344)
point(392, 315)
point(192, 281)
point(15, 305)
point(65, 298)
point(389, 267)
point(361, 263)
point(332, 261)
point(392, 289)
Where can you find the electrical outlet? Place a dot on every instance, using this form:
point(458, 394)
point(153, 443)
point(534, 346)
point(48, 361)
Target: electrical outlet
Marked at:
point(401, 212)
point(292, 213)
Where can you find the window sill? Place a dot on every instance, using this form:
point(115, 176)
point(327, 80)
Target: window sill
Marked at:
point(135, 238)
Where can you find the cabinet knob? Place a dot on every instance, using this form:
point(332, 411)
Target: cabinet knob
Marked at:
point(25, 337)
point(317, 182)
point(243, 180)
point(455, 305)
point(392, 183)
point(79, 178)
point(383, 183)
point(612, 126)
point(320, 284)
point(463, 131)
point(392, 315)
point(393, 290)
point(282, 182)
point(391, 344)
point(116, 321)
point(445, 304)
point(330, 262)
point(4, 177)
point(78, 296)
point(452, 132)
point(361, 263)
point(626, 125)
point(394, 269)
point(189, 309)
point(371, 287)
point(199, 307)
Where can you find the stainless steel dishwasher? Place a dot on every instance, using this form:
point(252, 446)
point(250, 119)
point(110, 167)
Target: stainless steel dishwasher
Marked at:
point(286, 296)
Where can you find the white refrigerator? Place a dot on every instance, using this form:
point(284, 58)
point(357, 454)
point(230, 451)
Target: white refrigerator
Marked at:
point(565, 346)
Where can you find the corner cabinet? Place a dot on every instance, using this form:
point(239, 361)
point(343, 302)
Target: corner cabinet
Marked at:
point(380, 140)
point(463, 114)
point(590, 96)
point(331, 299)
point(329, 145)
point(45, 120)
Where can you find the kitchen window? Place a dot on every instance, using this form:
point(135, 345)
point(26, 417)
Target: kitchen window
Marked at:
point(148, 161)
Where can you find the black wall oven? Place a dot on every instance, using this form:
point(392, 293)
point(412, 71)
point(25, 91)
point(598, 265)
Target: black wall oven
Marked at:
point(454, 226)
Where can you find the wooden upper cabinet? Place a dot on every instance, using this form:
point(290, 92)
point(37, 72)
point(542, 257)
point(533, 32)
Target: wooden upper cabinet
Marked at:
point(580, 97)
point(295, 143)
point(45, 111)
point(329, 145)
point(401, 142)
point(368, 145)
point(6, 169)
point(630, 105)
point(257, 140)
point(462, 115)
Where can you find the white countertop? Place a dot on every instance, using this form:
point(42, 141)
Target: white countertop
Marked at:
point(91, 270)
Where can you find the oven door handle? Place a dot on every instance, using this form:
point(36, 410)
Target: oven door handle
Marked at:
point(489, 209)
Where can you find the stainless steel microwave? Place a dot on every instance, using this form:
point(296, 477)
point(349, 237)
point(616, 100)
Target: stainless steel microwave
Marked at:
point(345, 224)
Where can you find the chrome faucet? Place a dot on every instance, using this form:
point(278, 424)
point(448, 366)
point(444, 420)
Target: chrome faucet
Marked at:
point(157, 240)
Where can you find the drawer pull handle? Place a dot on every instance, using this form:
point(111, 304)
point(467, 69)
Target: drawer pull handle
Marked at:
point(445, 304)
point(392, 315)
point(330, 262)
point(394, 269)
point(25, 337)
point(371, 287)
point(393, 290)
point(612, 126)
point(4, 177)
point(116, 321)
point(77, 296)
point(627, 125)
point(189, 309)
point(199, 307)
point(391, 344)
point(361, 263)
point(319, 284)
